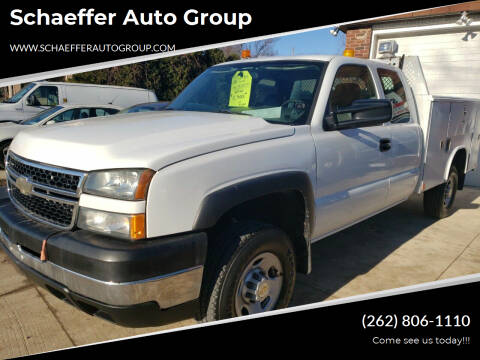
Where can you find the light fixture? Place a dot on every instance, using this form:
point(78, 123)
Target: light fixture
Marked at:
point(387, 48)
point(334, 31)
point(464, 19)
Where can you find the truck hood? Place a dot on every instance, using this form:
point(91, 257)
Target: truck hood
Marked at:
point(144, 140)
point(6, 124)
point(8, 111)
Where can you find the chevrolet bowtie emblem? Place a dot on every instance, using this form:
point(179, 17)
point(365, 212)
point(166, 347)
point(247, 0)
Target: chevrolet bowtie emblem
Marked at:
point(23, 185)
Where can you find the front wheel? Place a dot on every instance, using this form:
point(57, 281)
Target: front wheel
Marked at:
point(438, 202)
point(250, 269)
point(3, 149)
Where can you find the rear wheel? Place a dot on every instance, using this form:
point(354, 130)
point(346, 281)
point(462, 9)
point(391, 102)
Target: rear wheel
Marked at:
point(438, 202)
point(250, 269)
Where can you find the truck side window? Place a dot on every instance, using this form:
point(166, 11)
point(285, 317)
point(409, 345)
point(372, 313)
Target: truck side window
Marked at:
point(352, 82)
point(395, 92)
point(45, 96)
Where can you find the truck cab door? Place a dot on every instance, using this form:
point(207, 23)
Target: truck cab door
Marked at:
point(353, 165)
point(406, 133)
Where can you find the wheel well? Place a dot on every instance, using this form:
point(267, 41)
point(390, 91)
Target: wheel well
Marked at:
point(460, 162)
point(7, 141)
point(286, 210)
point(3, 144)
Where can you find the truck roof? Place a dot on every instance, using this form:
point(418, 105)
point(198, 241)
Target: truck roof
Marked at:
point(304, 57)
point(280, 58)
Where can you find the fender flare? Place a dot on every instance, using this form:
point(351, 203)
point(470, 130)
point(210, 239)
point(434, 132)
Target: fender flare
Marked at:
point(450, 161)
point(219, 202)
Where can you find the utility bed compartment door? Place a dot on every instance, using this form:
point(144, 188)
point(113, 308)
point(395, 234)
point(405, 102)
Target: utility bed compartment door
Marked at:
point(474, 136)
point(437, 144)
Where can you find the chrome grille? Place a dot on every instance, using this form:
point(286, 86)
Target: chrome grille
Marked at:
point(54, 179)
point(45, 193)
point(49, 210)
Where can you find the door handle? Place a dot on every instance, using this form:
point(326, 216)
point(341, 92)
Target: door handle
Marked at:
point(448, 144)
point(385, 144)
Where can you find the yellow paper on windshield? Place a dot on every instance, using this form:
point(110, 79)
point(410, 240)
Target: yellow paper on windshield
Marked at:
point(240, 89)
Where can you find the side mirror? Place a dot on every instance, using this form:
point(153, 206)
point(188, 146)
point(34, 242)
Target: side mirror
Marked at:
point(30, 100)
point(362, 113)
point(50, 122)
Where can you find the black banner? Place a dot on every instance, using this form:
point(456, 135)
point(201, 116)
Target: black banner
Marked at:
point(28, 45)
point(441, 320)
point(444, 319)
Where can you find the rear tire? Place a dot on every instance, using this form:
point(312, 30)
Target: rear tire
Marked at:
point(438, 202)
point(250, 269)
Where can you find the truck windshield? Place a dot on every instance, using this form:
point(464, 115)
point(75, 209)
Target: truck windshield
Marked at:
point(15, 98)
point(41, 115)
point(279, 92)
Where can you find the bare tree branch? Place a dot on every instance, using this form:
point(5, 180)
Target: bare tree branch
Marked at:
point(263, 48)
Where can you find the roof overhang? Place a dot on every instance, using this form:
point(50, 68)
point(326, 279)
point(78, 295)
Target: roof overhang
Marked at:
point(471, 7)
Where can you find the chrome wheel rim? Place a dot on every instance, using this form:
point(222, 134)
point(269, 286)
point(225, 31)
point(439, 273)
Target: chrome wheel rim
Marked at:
point(260, 285)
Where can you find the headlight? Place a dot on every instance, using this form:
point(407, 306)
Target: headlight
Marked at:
point(121, 225)
point(127, 184)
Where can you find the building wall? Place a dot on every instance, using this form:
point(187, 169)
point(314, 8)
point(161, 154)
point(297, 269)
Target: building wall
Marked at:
point(9, 91)
point(359, 40)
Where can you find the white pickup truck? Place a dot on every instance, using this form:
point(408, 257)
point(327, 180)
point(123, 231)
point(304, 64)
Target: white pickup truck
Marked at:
point(211, 206)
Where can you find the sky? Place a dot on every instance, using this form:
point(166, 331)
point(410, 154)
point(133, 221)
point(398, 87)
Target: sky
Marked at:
point(311, 42)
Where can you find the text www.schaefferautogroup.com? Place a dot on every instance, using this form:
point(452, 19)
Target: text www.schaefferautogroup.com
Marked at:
point(91, 48)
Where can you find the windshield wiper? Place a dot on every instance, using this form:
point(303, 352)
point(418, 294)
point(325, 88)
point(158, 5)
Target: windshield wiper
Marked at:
point(222, 111)
point(226, 111)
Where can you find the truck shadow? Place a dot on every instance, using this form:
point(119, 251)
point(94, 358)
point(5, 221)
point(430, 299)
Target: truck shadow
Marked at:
point(340, 258)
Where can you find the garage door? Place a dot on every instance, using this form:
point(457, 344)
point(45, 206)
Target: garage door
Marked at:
point(450, 61)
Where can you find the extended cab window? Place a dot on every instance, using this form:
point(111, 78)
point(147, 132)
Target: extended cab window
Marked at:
point(352, 82)
point(44, 96)
point(279, 92)
point(395, 92)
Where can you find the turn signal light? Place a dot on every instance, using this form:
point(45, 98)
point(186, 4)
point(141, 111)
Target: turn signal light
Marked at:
point(143, 183)
point(137, 227)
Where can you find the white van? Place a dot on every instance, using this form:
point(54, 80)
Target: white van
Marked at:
point(38, 96)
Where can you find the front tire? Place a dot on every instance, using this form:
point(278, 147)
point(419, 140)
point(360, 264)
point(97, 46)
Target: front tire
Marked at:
point(250, 269)
point(438, 202)
point(3, 147)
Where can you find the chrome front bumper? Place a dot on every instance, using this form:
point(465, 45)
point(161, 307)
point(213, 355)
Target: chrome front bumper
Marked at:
point(167, 290)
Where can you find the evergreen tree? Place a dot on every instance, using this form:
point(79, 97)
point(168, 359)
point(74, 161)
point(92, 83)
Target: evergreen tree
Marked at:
point(167, 76)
